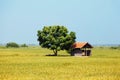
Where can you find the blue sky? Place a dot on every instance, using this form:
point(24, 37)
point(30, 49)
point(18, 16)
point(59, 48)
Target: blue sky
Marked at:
point(94, 21)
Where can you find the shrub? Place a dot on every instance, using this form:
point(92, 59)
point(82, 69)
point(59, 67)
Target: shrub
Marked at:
point(101, 47)
point(24, 45)
point(12, 44)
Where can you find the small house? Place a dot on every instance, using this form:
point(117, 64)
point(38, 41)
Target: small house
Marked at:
point(81, 49)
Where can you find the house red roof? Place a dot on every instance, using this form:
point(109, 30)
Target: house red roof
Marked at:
point(81, 45)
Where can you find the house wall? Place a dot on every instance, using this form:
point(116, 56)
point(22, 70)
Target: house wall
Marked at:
point(88, 52)
point(79, 52)
point(76, 52)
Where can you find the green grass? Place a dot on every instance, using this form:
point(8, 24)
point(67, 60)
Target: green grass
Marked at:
point(32, 64)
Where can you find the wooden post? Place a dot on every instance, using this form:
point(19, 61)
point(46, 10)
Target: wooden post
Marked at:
point(85, 51)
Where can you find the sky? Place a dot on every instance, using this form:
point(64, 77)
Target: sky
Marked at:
point(93, 21)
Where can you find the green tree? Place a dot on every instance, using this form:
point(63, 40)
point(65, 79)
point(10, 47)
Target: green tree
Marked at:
point(12, 44)
point(56, 38)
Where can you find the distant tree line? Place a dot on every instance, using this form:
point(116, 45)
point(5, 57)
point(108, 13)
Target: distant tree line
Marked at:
point(111, 47)
point(15, 45)
point(115, 47)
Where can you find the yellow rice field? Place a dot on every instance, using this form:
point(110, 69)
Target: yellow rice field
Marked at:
point(32, 64)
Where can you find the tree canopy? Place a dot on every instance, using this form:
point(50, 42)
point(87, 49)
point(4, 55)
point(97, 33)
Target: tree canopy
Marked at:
point(56, 38)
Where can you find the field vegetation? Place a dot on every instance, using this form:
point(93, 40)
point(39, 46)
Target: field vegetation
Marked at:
point(30, 63)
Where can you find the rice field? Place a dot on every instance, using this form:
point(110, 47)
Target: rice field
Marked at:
point(32, 64)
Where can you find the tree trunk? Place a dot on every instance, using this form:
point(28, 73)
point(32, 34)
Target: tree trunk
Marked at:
point(55, 52)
